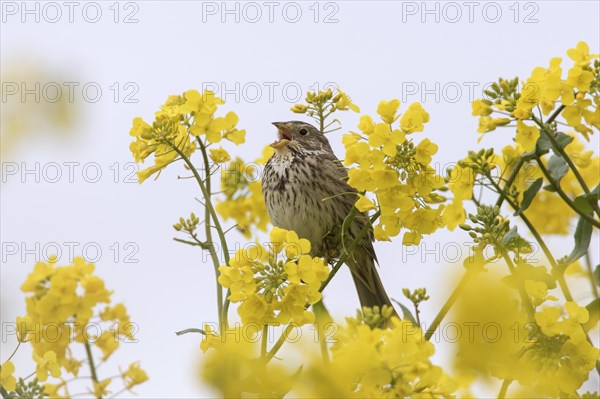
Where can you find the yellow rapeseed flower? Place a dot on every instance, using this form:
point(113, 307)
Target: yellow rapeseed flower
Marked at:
point(388, 109)
point(7, 379)
point(527, 136)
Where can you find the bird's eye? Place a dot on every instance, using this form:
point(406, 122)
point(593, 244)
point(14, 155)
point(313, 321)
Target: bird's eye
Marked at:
point(303, 132)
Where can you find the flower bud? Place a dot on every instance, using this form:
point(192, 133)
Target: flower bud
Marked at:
point(299, 108)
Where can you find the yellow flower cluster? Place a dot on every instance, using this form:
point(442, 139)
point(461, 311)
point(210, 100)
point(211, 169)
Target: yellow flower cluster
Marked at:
point(321, 105)
point(549, 354)
point(560, 358)
point(546, 86)
point(232, 365)
point(574, 102)
point(275, 285)
point(384, 162)
point(179, 121)
point(577, 93)
point(364, 362)
point(28, 119)
point(243, 200)
point(370, 362)
point(64, 301)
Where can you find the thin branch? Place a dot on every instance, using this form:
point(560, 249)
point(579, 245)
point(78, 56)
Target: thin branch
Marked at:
point(450, 302)
point(208, 233)
point(504, 388)
point(88, 351)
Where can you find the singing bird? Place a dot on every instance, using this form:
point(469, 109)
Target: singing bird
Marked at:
point(306, 190)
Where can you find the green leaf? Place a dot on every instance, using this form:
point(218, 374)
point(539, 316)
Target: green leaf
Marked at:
point(529, 195)
point(594, 195)
point(512, 241)
point(583, 204)
point(558, 168)
point(512, 233)
point(406, 314)
point(544, 144)
point(563, 139)
point(597, 275)
point(191, 330)
point(322, 315)
point(582, 236)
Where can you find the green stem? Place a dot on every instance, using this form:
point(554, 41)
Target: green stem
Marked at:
point(192, 243)
point(191, 330)
point(88, 351)
point(564, 287)
point(211, 210)
point(284, 335)
point(555, 114)
point(417, 313)
point(450, 302)
point(13, 353)
point(263, 343)
point(208, 202)
point(226, 307)
point(510, 181)
point(29, 376)
point(321, 120)
point(322, 319)
point(323, 346)
point(208, 232)
point(504, 388)
point(564, 196)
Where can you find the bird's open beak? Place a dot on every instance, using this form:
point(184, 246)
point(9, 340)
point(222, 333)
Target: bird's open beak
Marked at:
point(284, 136)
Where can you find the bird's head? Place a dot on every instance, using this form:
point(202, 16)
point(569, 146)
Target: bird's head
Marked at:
point(300, 136)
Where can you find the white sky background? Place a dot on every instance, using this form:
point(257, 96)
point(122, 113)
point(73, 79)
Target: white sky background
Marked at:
point(375, 51)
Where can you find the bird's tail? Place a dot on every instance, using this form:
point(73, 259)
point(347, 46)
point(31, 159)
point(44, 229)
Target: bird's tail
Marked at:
point(367, 281)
